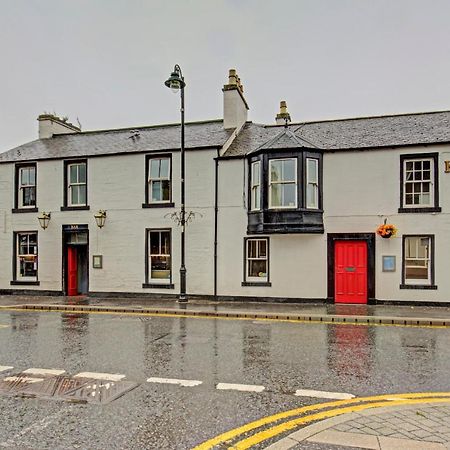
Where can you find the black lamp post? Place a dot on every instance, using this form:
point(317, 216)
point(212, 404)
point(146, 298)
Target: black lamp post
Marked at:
point(176, 83)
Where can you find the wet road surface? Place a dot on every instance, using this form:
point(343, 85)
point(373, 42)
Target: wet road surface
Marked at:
point(280, 357)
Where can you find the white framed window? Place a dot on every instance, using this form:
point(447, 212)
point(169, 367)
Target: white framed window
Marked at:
point(26, 196)
point(255, 186)
point(283, 183)
point(417, 260)
point(312, 183)
point(418, 182)
point(77, 184)
point(159, 256)
point(26, 256)
point(158, 180)
point(256, 260)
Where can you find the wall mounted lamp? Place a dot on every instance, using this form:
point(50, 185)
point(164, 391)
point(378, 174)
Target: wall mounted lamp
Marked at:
point(100, 218)
point(44, 219)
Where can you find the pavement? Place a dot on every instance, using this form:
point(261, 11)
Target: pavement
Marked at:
point(425, 427)
point(422, 425)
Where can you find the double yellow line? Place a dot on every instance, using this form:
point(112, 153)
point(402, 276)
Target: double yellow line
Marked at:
point(271, 426)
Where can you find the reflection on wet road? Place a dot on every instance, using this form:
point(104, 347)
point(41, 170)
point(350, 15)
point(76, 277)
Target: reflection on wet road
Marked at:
point(200, 377)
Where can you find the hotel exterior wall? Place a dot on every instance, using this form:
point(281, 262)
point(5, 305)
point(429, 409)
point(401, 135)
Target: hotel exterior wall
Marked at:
point(117, 185)
point(361, 189)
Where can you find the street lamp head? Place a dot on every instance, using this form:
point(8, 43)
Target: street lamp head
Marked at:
point(176, 80)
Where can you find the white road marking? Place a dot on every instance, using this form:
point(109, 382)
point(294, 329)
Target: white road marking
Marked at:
point(35, 371)
point(100, 376)
point(185, 383)
point(323, 394)
point(5, 368)
point(240, 387)
point(24, 379)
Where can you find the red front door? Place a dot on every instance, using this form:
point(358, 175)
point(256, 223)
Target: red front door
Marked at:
point(72, 271)
point(350, 272)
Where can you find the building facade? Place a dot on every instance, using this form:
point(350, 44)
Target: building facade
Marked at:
point(284, 212)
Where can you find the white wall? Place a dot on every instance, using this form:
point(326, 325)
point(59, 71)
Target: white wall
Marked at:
point(117, 185)
point(360, 190)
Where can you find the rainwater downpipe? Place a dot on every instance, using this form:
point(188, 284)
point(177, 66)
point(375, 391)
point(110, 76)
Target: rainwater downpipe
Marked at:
point(216, 213)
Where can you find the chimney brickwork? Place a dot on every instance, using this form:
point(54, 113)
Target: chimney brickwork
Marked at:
point(234, 105)
point(49, 125)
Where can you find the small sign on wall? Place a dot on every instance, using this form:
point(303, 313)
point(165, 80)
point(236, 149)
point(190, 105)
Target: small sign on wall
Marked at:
point(388, 263)
point(447, 166)
point(97, 261)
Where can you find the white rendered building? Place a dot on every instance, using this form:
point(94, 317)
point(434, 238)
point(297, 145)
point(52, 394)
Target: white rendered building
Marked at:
point(280, 212)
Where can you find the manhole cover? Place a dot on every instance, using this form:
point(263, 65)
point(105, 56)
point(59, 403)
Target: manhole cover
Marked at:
point(54, 387)
point(99, 391)
point(16, 384)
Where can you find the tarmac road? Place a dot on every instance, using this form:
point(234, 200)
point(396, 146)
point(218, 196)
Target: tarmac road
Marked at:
point(206, 375)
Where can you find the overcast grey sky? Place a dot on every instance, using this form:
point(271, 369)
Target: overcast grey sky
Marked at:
point(105, 61)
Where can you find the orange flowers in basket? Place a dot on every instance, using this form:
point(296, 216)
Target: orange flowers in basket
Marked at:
point(386, 230)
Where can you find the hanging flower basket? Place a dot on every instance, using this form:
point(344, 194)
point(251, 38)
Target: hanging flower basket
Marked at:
point(386, 230)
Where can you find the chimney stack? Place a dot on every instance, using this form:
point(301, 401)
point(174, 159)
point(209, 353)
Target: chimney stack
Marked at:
point(234, 105)
point(283, 117)
point(49, 125)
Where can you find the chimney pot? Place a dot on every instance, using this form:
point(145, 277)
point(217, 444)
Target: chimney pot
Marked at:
point(283, 116)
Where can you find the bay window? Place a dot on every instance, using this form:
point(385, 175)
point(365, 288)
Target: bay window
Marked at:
point(283, 183)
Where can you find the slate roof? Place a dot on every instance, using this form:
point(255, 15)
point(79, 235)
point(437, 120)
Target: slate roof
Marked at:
point(345, 134)
point(107, 142)
point(285, 139)
point(358, 133)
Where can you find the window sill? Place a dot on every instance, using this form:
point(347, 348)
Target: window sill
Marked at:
point(158, 205)
point(24, 283)
point(157, 286)
point(419, 286)
point(430, 209)
point(256, 283)
point(75, 208)
point(25, 210)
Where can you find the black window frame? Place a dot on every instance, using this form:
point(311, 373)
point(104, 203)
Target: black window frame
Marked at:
point(66, 207)
point(166, 204)
point(15, 281)
point(432, 285)
point(24, 209)
point(148, 282)
point(265, 283)
point(298, 219)
point(420, 209)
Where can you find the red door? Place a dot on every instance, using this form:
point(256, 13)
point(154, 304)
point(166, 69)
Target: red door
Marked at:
point(350, 272)
point(72, 275)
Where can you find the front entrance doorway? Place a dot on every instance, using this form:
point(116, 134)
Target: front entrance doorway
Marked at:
point(75, 259)
point(350, 272)
point(351, 268)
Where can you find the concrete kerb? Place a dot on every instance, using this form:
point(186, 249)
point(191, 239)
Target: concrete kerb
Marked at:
point(326, 318)
point(302, 435)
